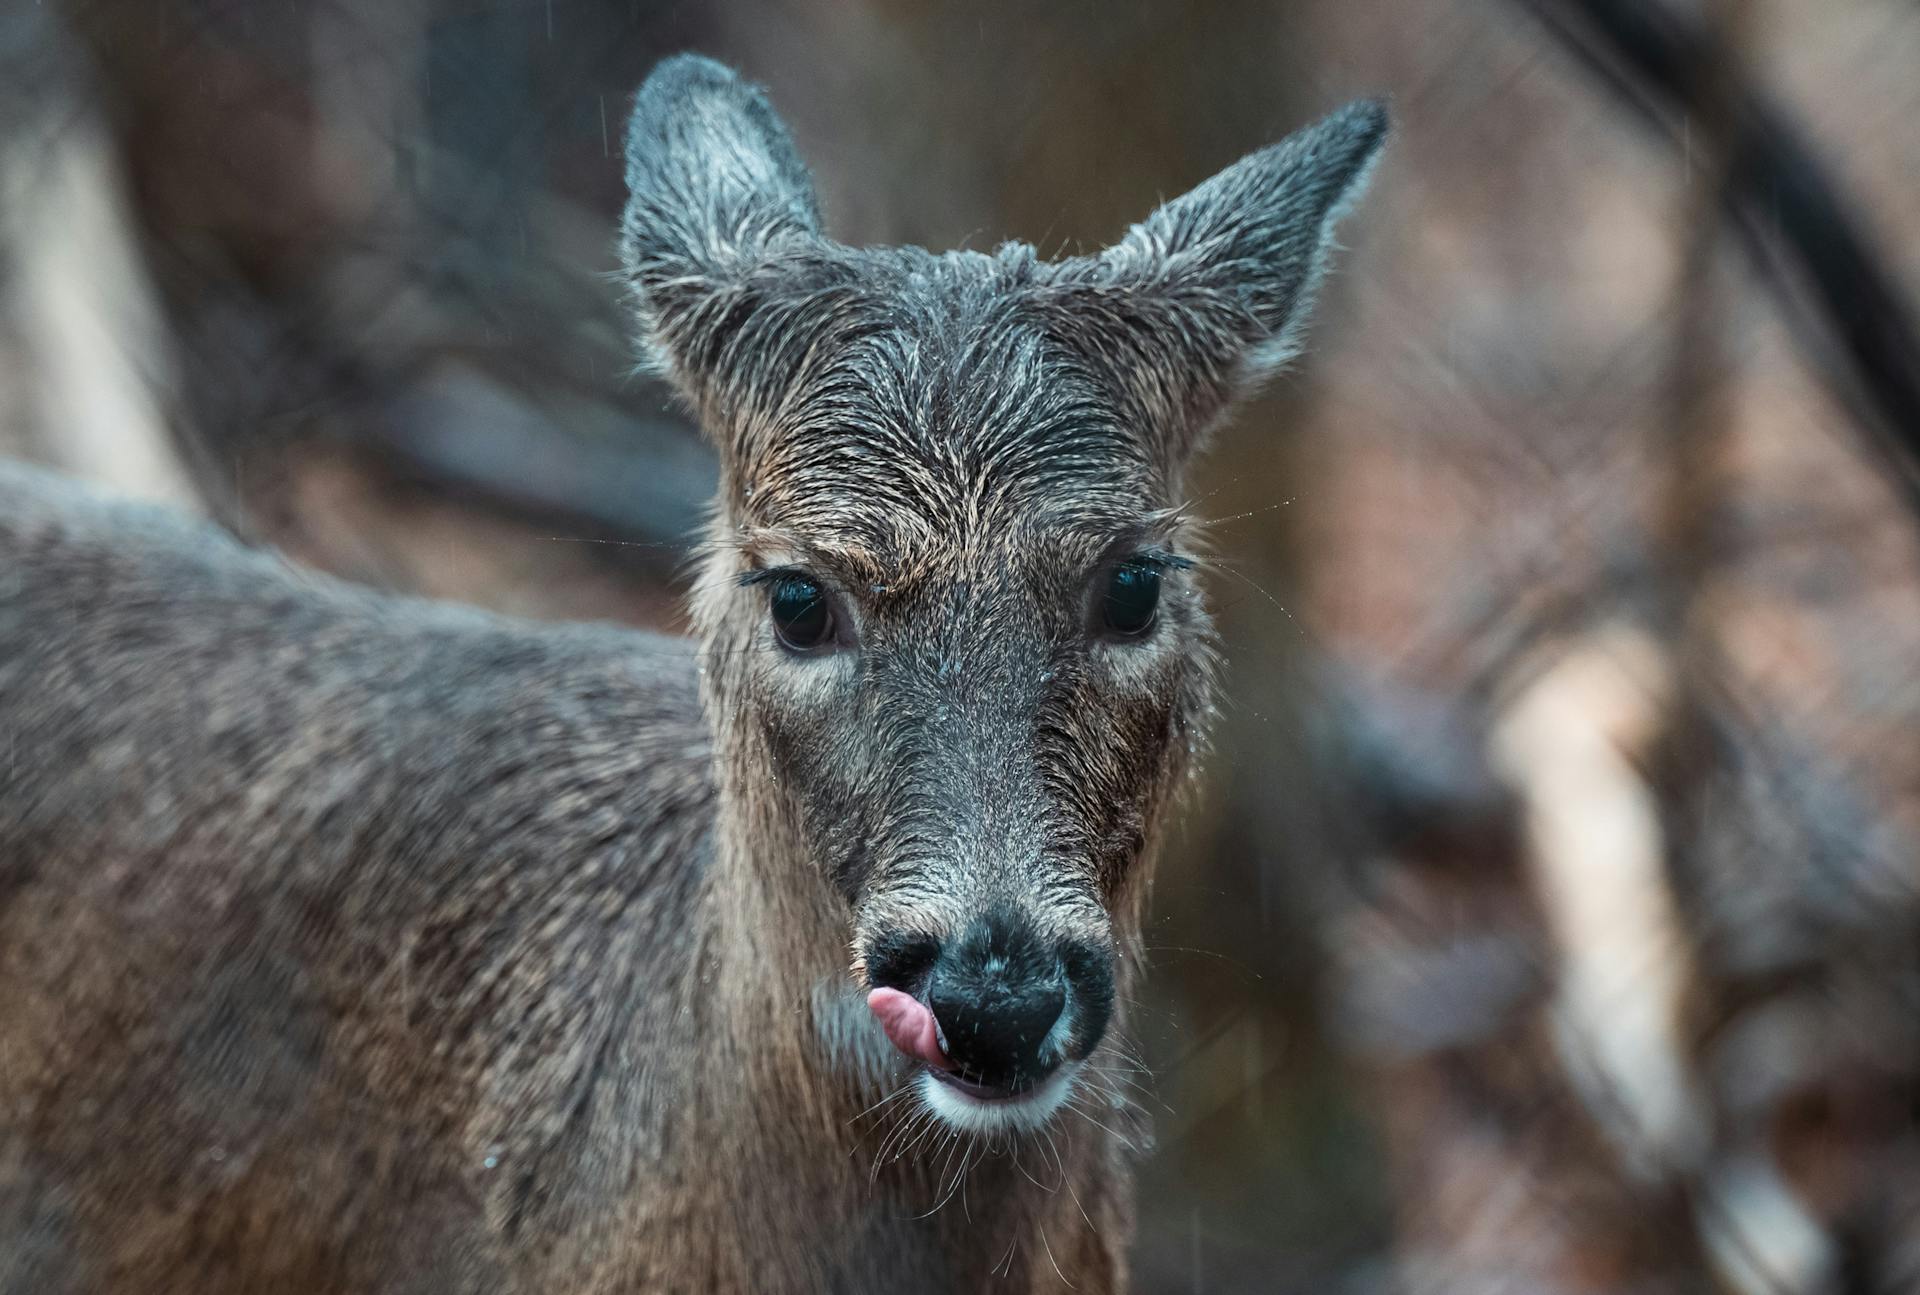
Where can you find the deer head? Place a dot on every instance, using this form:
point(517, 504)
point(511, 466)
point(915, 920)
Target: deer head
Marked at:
point(955, 656)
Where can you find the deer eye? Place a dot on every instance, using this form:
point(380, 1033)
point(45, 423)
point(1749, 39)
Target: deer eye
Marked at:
point(1133, 598)
point(802, 618)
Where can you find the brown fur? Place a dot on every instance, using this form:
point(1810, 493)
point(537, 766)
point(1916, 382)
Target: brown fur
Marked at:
point(354, 943)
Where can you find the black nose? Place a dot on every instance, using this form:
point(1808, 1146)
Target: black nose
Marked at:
point(997, 994)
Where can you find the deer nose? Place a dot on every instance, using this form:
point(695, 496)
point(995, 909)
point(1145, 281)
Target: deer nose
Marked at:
point(996, 1035)
point(997, 995)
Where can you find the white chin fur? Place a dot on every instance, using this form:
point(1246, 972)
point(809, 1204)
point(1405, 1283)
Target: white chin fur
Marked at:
point(1021, 1114)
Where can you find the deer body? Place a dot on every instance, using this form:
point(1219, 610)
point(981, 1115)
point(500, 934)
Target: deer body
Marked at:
point(355, 943)
point(269, 1028)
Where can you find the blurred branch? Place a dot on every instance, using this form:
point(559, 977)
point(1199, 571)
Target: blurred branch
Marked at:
point(640, 481)
point(83, 353)
point(1835, 288)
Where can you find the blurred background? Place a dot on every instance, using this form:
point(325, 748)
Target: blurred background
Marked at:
point(1549, 916)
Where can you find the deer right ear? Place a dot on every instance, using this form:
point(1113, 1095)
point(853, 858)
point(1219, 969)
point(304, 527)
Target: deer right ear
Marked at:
point(1211, 293)
point(716, 190)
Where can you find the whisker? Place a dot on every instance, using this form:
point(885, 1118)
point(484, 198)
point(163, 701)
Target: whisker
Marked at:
point(1013, 1243)
point(894, 1096)
point(1146, 1094)
point(941, 1177)
point(1042, 1229)
point(1053, 1148)
point(1228, 568)
point(686, 546)
point(965, 1208)
point(1088, 1116)
point(1075, 1196)
point(926, 1131)
point(904, 1134)
point(1017, 1164)
point(1252, 512)
point(1127, 1075)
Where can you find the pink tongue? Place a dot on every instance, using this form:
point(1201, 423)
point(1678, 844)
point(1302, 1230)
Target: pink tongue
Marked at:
point(909, 1025)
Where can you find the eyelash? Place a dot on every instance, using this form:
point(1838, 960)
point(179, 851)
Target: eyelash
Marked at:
point(767, 575)
point(1163, 559)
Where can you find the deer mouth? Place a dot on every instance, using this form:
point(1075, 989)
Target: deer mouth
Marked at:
point(975, 1108)
point(979, 1092)
point(945, 1087)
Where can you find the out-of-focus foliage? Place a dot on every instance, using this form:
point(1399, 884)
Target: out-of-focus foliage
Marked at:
point(1547, 921)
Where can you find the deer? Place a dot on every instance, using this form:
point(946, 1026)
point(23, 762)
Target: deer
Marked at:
point(354, 942)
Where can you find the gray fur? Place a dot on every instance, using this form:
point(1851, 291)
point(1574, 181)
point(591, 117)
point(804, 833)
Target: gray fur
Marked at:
point(357, 943)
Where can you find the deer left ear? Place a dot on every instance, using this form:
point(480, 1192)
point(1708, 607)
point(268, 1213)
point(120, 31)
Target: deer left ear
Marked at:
point(1211, 293)
point(718, 192)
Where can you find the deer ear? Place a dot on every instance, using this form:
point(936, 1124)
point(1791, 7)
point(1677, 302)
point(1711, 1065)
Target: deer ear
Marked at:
point(1211, 293)
point(716, 190)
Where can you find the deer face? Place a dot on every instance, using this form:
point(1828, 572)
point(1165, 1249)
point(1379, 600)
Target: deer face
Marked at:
point(949, 597)
point(955, 651)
